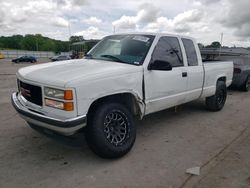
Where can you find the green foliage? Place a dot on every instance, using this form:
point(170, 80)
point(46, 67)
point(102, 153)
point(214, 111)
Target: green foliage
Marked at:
point(73, 39)
point(35, 42)
point(214, 44)
point(11, 42)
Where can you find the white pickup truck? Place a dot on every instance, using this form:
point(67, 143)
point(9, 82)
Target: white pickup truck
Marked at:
point(125, 76)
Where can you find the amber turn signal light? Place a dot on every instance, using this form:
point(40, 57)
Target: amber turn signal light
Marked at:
point(68, 95)
point(68, 106)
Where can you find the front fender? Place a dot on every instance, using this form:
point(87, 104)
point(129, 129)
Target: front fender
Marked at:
point(89, 92)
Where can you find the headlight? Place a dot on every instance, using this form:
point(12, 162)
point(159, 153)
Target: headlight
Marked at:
point(58, 93)
point(52, 95)
point(67, 106)
point(54, 103)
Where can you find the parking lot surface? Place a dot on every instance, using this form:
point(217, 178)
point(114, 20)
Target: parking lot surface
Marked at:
point(168, 143)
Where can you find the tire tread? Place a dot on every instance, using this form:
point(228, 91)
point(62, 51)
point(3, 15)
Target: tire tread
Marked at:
point(94, 135)
point(211, 103)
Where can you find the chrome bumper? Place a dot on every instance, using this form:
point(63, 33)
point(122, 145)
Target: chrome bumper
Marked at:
point(61, 126)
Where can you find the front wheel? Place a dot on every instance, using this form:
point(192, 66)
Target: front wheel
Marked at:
point(217, 101)
point(111, 130)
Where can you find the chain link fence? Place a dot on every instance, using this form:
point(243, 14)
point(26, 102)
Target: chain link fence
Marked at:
point(37, 54)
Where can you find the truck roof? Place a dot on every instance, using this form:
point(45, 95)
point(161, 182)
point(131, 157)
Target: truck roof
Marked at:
point(154, 34)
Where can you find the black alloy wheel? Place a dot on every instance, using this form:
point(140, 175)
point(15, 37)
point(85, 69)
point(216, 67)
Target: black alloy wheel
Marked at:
point(220, 97)
point(110, 131)
point(116, 127)
point(216, 102)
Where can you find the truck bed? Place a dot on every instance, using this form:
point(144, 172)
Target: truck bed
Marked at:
point(213, 71)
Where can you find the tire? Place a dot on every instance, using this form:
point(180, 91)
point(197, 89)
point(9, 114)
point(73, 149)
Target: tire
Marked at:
point(105, 123)
point(216, 102)
point(246, 86)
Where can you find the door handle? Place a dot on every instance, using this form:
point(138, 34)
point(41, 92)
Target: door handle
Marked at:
point(184, 74)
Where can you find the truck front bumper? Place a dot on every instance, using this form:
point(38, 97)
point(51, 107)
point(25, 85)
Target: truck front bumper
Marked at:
point(61, 126)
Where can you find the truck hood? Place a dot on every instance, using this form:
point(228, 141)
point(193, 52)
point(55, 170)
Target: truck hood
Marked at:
point(63, 72)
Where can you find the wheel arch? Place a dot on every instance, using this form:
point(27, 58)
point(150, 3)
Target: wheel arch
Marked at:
point(133, 102)
point(222, 78)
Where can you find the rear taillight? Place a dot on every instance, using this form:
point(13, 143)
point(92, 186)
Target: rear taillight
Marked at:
point(237, 70)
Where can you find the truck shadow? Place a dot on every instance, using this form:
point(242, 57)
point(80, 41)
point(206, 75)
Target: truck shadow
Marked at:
point(150, 123)
point(78, 140)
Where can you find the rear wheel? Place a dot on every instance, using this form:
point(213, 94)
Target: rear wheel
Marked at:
point(217, 101)
point(246, 86)
point(111, 130)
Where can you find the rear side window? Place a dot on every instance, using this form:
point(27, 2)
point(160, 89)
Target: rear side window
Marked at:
point(168, 49)
point(190, 52)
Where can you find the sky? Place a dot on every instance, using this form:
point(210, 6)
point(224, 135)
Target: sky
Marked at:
point(204, 20)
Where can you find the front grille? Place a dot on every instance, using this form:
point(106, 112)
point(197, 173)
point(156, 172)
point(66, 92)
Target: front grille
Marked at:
point(31, 93)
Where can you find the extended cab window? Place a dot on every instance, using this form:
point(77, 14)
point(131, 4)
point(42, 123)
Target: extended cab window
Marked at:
point(190, 52)
point(168, 49)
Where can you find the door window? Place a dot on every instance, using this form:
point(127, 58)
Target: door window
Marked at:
point(168, 49)
point(190, 52)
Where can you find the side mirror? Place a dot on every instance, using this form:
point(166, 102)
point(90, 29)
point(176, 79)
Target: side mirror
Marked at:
point(160, 65)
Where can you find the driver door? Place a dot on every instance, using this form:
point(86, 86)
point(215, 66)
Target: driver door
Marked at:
point(166, 88)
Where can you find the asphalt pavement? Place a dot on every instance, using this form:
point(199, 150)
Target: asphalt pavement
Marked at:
point(168, 143)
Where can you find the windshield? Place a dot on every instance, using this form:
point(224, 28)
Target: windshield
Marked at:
point(130, 49)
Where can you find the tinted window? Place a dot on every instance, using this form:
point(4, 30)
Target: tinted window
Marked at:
point(168, 49)
point(190, 52)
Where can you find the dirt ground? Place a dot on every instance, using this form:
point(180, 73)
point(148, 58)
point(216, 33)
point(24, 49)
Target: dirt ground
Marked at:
point(167, 144)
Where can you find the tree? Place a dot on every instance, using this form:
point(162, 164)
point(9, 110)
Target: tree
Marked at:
point(73, 39)
point(214, 44)
point(33, 42)
point(12, 42)
point(48, 45)
point(29, 42)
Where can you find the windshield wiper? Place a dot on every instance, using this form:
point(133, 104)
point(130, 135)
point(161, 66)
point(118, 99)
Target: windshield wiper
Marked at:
point(113, 58)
